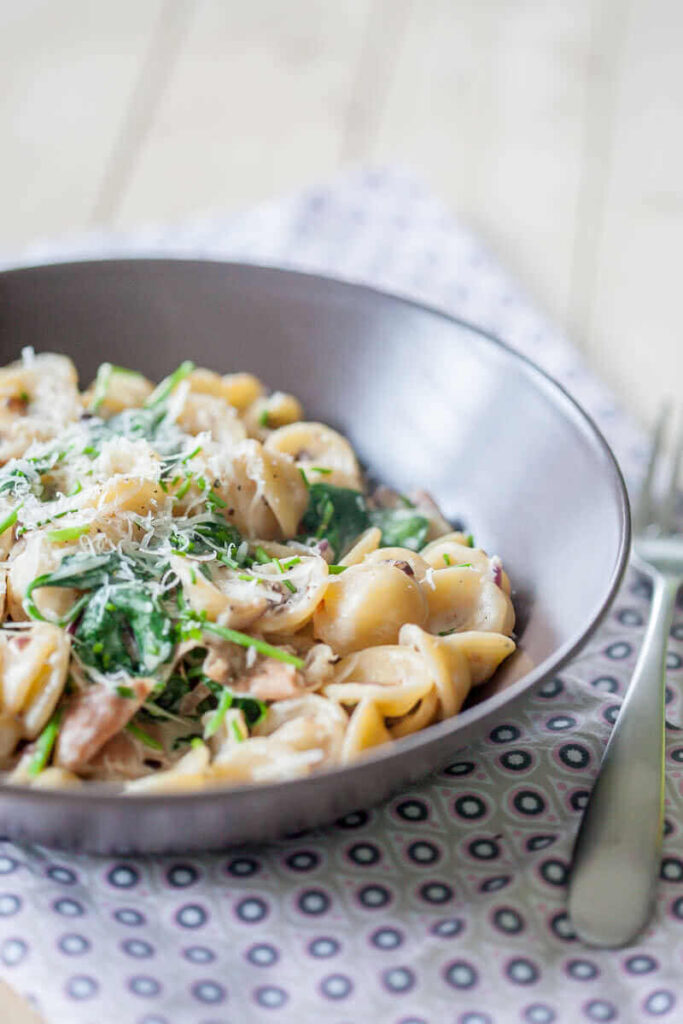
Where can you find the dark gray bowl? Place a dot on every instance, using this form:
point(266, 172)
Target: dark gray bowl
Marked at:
point(428, 401)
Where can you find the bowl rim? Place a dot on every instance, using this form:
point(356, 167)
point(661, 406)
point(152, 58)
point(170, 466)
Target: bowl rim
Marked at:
point(99, 793)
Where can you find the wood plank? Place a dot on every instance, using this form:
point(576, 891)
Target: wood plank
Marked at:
point(256, 105)
point(66, 80)
point(488, 103)
point(630, 303)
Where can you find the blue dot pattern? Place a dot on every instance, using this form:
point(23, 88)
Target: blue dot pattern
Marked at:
point(448, 902)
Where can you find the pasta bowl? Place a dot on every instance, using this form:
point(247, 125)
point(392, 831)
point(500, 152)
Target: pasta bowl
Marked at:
point(423, 398)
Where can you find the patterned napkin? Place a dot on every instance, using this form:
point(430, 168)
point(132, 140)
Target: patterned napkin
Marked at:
point(448, 902)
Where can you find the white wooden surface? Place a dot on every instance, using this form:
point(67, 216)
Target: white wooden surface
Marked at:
point(554, 128)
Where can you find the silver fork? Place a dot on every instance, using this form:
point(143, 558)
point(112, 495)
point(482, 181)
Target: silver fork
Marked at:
point(618, 850)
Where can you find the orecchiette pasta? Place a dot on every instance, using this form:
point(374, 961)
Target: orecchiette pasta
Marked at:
point(197, 589)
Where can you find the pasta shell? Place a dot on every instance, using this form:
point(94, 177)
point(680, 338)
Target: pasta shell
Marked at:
point(306, 723)
point(317, 445)
point(35, 664)
point(461, 598)
point(365, 731)
point(266, 493)
point(367, 605)
point(364, 546)
point(33, 556)
point(401, 558)
point(203, 413)
point(266, 414)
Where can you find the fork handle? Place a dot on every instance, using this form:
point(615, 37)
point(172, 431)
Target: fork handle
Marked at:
point(618, 849)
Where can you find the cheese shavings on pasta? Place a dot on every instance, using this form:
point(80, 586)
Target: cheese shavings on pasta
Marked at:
point(197, 588)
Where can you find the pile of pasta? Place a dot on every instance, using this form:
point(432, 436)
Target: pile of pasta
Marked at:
point(197, 589)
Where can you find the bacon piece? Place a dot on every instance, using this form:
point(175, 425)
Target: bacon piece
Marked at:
point(271, 680)
point(93, 717)
point(122, 757)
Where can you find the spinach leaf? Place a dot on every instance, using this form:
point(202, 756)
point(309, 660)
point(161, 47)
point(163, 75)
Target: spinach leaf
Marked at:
point(401, 527)
point(337, 514)
point(173, 692)
point(340, 515)
point(202, 536)
point(254, 710)
point(83, 571)
point(124, 626)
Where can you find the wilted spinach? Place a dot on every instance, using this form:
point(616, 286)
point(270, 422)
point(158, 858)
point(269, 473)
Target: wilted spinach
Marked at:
point(401, 527)
point(335, 514)
point(339, 515)
point(123, 622)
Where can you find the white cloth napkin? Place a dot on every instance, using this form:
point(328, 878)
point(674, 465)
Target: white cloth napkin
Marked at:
point(448, 902)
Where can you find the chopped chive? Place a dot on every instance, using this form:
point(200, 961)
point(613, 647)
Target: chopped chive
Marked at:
point(214, 723)
point(326, 518)
point(163, 485)
point(10, 519)
point(446, 632)
point(77, 489)
point(262, 556)
point(247, 577)
point(143, 736)
point(447, 559)
point(101, 386)
point(24, 397)
point(235, 637)
point(287, 583)
point(464, 565)
point(103, 379)
point(125, 691)
point(165, 388)
point(236, 731)
point(304, 477)
point(196, 741)
point(214, 501)
point(263, 418)
point(469, 540)
point(182, 491)
point(405, 501)
point(321, 469)
point(291, 561)
point(193, 576)
point(334, 570)
point(192, 454)
point(44, 745)
point(68, 533)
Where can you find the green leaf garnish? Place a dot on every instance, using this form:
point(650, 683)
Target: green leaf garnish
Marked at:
point(67, 533)
point(10, 519)
point(167, 386)
point(340, 514)
point(401, 527)
point(144, 737)
point(214, 723)
point(244, 640)
point(44, 745)
point(337, 514)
